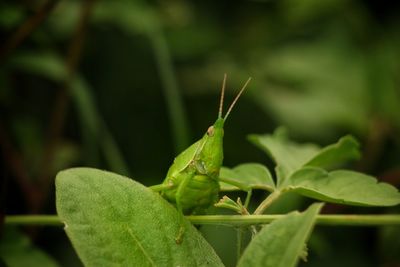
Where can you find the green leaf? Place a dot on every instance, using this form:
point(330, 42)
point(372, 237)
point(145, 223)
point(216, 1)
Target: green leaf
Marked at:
point(345, 187)
point(346, 149)
point(113, 220)
point(254, 175)
point(281, 243)
point(288, 156)
point(16, 250)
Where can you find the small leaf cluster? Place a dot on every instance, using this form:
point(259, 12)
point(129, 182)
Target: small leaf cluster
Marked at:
point(311, 171)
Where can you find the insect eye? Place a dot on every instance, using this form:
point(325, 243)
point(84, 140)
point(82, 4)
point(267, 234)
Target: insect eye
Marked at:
point(210, 131)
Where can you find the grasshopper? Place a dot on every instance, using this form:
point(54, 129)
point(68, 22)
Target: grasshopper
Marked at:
point(192, 181)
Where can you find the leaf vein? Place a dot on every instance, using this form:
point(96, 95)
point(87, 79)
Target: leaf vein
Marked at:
point(147, 256)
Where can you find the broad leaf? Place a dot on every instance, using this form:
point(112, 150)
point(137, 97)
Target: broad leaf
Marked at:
point(114, 221)
point(254, 175)
point(281, 243)
point(346, 149)
point(16, 250)
point(288, 156)
point(346, 187)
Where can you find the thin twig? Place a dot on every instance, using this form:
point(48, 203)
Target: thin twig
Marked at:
point(176, 110)
point(26, 28)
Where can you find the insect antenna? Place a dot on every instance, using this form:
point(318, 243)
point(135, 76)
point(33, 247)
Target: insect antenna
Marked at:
point(236, 99)
point(221, 101)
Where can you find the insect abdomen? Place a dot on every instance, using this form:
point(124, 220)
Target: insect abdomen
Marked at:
point(200, 193)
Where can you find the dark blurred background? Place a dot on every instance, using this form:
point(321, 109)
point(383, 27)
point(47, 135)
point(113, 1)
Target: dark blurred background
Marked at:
point(126, 85)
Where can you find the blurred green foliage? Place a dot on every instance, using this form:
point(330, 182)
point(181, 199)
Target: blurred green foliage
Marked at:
point(17, 250)
point(147, 80)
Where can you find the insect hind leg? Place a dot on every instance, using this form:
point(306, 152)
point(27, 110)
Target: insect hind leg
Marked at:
point(180, 193)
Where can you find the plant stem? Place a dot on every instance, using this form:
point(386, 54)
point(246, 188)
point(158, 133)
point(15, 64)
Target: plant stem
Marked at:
point(248, 198)
point(176, 111)
point(334, 220)
point(48, 220)
point(234, 220)
point(267, 202)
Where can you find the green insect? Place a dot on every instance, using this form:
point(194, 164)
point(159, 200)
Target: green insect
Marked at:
point(192, 181)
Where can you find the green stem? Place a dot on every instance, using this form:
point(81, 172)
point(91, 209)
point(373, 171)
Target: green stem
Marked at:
point(170, 87)
point(267, 202)
point(334, 220)
point(48, 220)
point(234, 220)
point(248, 198)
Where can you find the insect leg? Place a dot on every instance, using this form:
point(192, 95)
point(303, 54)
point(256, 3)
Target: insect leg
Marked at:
point(161, 187)
point(180, 192)
point(179, 195)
